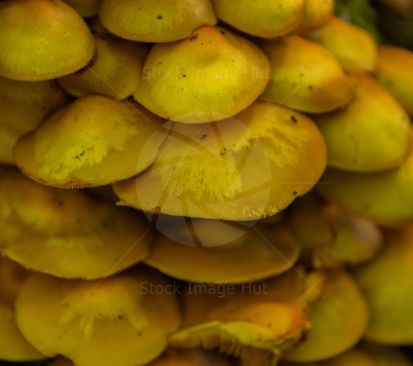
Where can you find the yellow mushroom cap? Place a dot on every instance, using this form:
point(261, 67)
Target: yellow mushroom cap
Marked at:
point(305, 76)
point(115, 321)
point(239, 323)
point(339, 319)
point(364, 356)
point(210, 76)
point(42, 39)
point(332, 237)
point(244, 168)
point(155, 21)
point(395, 72)
point(371, 134)
point(386, 197)
point(262, 18)
point(13, 346)
point(317, 13)
point(191, 357)
point(67, 233)
point(248, 253)
point(386, 283)
point(115, 70)
point(23, 105)
point(86, 8)
point(83, 144)
point(354, 47)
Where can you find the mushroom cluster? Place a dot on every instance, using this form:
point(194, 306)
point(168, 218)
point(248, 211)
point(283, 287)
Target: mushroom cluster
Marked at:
point(203, 183)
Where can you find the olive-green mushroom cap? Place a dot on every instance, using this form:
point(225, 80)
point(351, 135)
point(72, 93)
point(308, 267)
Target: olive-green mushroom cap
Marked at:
point(42, 39)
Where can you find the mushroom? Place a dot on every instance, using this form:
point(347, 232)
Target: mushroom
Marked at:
point(82, 144)
point(332, 237)
point(338, 317)
point(13, 346)
point(263, 18)
point(210, 76)
point(317, 13)
point(395, 73)
point(121, 320)
point(42, 39)
point(115, 70)
point(364, 356)
point(23, 105)
point(66, 233)
point(86, 8)
point(191, 357)
point(354, 47)
point(371, 134)
point(305, 76)
point(386, 197)
point(155, 21)
point(243, 168)
point(386, 284)
point(240, 322)
point(223, 252)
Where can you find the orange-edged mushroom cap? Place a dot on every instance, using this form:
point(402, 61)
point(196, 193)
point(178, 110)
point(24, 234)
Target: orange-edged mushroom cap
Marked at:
point(386, 197)
point(155, 21)
point(223, 252)
point(364, 356)
point(191, 357)
point(388, 289)
point(67, 233)
point(371, 134)
point(339, 319)
point(13, 346)
point(353, 46)
point(210, 76)
point(395, 73)
point(118, 320)
point(262, 18)
point(245, 168)
point(94, 141)
point(240, 322)
point(332, 237)
point(317, 13)
point(305, 76)
point(42, 39)
point(115, 70)
point(23, 105)
point(86, 8)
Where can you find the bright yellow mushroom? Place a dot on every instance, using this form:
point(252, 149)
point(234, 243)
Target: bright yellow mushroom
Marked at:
point(353, 46)
point(42, 39)
point(386, 283)
point(317, 13)
point(210, 76)
point(386, 197)
point(83, 144)
point(86, 8)
point(395, 72)
point(121, 320)
point(371, 134)
point(13, 346)
point(67, 233)
point(223, 253)
point(23, 105)
point(262, 18)
point(305, 76)
point(339, 319)
point(191, 357)
point(245, 168)
point(115, 70)
point(332, 237)
point(155, 21)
